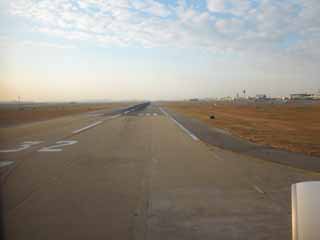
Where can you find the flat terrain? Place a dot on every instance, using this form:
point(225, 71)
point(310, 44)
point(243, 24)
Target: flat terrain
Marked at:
point(13, 114)
point(137, 175)
point(293, 127)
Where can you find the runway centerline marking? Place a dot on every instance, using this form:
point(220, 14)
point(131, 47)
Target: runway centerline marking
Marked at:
point(194, 137)
point(94, 124)
point(87, 127)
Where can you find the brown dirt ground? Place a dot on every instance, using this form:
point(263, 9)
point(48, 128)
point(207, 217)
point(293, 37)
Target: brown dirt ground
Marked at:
point(289, 126)
point(18, 115)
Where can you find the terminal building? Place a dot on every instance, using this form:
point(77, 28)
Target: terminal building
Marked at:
point(301, 96)
point(261, 97)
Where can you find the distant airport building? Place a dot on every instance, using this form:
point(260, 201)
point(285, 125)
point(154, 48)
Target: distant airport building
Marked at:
point(261, 96)
point(317, 95)
point(226, 99)
point(301, 96)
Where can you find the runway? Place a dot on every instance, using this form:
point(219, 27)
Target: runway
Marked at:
point(137, 174)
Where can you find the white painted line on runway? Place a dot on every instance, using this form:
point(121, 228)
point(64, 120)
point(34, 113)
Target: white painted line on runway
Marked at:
point(5, 163)
point(96, 115)
point(259, 190)
point(155, 114)
point(94, 124)
point(57, 146)
point(147, 114)
point(22, 146)
point(194, 137)
point(87, 127)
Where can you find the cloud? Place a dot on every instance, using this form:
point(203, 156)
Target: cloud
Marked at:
point(216, 5)
point(151, 7)
point(46, 45)
point(7, 42)
point(224, 26)
point(235, 7)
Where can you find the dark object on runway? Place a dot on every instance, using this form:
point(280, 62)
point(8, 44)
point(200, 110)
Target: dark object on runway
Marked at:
point(212, 117)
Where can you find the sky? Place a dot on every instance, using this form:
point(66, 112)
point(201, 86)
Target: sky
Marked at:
point(63, 50)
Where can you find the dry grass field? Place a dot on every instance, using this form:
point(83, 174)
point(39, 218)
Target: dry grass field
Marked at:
point(13, 114)
point(287, 126)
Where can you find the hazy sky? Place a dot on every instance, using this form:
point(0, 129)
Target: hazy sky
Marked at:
point(164, 49)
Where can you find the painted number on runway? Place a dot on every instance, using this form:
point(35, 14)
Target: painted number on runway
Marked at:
point(22, 146)
point(58, 146)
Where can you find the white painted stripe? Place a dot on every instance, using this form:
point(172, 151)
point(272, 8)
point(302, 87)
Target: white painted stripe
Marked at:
point(25, 145)
point(259, 190)
point(87, 127)
point(5, 163)
point(57, 146)
point(155, 114)
point(126, 112)
point(147, 114)
point(13, 150)
point(194, 137)
point(96, 115)
point(165, 113)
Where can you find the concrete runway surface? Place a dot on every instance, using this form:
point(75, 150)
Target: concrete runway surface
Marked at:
point(137, 174)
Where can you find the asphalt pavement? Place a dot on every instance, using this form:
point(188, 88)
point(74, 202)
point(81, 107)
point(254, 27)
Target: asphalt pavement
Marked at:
point(137, 174)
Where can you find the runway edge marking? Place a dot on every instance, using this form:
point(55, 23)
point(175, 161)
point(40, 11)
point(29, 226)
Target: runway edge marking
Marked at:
point(194, 137)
